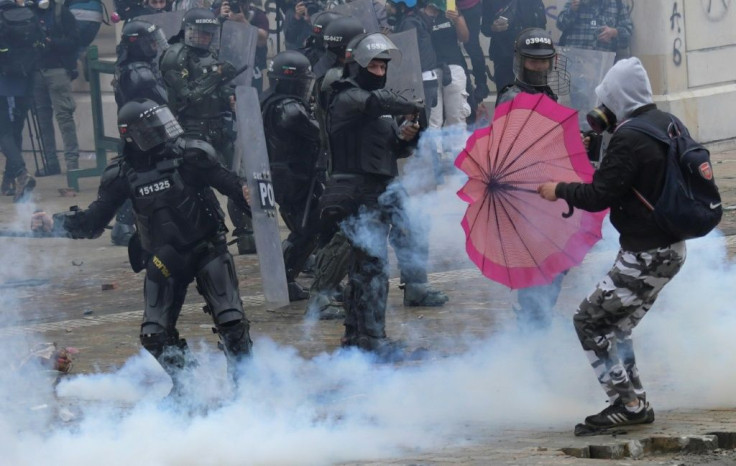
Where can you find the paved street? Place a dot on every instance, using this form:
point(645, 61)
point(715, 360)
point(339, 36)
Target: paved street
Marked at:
point(484, 395)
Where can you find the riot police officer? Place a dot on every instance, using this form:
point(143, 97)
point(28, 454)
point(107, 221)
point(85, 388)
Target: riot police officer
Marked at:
point(333, 255)
point(137, 77)
point(181, 233)
point(314, 46)
point(202, 100)
point(534, 61)
point(292, 139)
point(365, 145)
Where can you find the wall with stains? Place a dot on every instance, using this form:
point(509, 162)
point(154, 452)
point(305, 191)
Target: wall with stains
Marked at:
point(689, 50)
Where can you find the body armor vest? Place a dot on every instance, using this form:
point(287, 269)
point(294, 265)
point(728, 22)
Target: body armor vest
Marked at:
point(192, 66)
point(285, 148)
point(360, 144)
point(169, 211)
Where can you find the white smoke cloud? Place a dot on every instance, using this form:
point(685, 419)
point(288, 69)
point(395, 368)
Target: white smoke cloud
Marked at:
point(341, 406)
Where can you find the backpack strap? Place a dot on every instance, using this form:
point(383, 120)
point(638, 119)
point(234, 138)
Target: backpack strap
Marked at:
point(651, 130)
point(674, 129)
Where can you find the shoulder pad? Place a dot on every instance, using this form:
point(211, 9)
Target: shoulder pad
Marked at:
point(333, 75)
point(111, 173)
point(507, 93)
point(294, 114)
point(200, 153)
point(174, 58)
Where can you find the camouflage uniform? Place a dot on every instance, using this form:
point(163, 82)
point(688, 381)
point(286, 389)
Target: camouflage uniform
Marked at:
point(606, 317)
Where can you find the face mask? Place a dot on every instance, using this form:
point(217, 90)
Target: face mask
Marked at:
point(601, 119)
point(369, 81)
point(43, 4)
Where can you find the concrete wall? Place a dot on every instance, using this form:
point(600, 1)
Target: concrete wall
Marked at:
point(689, 50)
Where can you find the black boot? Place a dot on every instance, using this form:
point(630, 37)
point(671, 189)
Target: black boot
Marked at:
point(24, 184)
point(297, 292)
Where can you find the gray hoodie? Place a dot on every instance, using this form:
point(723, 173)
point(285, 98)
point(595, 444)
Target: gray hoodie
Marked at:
point(625, 88)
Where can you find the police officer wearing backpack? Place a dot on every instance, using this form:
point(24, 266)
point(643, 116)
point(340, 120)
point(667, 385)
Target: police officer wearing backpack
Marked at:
point(649, 257)
point(181, 228)
point(137, 77)
point(200, 96)
point(292, 139)
point(20, 43)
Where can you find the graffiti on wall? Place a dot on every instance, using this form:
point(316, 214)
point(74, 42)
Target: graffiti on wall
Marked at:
point(676, 25)
point(716, 10)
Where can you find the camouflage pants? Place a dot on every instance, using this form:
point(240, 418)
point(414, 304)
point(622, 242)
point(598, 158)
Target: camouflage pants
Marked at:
point(606, 317)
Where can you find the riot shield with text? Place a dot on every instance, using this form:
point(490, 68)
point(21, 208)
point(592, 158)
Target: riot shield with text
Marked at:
point(405, 77)
point(364, 11)
point(169, 22)
point(238, 46)
point(251, 157)
point(586, 69)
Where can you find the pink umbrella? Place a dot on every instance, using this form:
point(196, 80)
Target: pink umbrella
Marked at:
point(514, 236)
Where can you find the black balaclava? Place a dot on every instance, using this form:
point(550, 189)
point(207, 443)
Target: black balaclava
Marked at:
point(369, 81)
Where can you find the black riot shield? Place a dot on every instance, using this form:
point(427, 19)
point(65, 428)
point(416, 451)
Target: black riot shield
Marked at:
point(251, 161)
point(586, 69)
point(169, 22)
point(405, 77)
point(364, 11)
point(238, 46)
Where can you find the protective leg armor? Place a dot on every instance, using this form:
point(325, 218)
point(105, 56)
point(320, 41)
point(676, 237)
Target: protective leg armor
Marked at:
point(217, 282)
point(331, 266)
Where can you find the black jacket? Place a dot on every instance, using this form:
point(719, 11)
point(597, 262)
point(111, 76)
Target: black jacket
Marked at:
point(62, 35)
point(632, 160)
point(521, 14)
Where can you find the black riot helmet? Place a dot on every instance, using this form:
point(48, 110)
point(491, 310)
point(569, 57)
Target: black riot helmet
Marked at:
point(361, 50)
point(319, 22)
point(146, 124)
point(290, 73)
point(339, 33)
point(534, 57)
point(201, 29)
point(141, 41)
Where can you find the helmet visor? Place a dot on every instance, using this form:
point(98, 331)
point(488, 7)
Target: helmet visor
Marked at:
point(153, 44)
point(533, 71)
point(154, 127)
point(204, 36)
point(373, 46)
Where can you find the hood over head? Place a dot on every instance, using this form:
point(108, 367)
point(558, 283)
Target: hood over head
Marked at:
point(625, 88)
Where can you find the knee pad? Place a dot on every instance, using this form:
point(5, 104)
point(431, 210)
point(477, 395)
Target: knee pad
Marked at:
point(218, 285)
point(332, 263)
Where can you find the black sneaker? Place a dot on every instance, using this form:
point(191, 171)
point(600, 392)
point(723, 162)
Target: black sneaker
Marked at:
point(618, 415)
point(650, 414)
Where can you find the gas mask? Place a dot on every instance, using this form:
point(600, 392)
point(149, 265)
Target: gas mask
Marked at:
point(601, 119)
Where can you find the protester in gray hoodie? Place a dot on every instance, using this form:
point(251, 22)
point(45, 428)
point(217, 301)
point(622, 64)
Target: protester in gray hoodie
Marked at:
point(648, 257)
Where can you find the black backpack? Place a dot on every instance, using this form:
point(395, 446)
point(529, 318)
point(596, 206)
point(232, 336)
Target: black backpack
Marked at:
point(21, 41)
point(690, 205)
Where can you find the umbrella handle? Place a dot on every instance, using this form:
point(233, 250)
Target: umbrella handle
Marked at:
point(570, 210)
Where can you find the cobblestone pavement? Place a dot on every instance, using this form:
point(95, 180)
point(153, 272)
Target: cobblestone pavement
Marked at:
point(83, 294)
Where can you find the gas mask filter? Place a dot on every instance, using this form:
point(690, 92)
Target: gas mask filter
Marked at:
point(601, 119)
